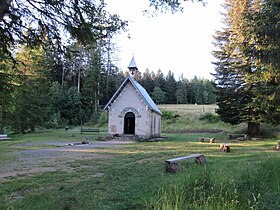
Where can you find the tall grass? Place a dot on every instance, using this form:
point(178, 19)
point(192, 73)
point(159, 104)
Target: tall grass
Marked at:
point(213, 188)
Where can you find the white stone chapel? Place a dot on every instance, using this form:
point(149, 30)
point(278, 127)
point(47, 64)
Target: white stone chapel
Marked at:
point(132, 111)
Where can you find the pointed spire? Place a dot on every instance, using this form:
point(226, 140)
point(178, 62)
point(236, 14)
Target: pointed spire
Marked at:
point(132, 66)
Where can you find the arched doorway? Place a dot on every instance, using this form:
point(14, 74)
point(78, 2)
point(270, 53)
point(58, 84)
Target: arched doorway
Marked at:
point(129, 123)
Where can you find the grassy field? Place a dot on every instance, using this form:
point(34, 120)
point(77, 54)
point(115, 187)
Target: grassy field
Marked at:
point(189, 109)
point(38, 173)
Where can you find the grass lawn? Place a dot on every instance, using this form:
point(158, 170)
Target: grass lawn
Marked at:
point(37, 173)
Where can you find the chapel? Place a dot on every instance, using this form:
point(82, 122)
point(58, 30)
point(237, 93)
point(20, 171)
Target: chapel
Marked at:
point(132, 111)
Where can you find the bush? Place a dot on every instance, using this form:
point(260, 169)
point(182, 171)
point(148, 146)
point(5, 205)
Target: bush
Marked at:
point(169, 114)
point(210, 118)
point(55, 122)
point(103, 118)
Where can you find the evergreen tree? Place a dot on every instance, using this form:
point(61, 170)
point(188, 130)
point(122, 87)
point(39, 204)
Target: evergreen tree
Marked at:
point(236, 70)
point(7, 88)
point(182, 90)
point(264, 23)
point(159, 80)
point(32, 105)
point(196, 89)
point(147, 81)
point(171, 88)
point(83, 20)
point(158, 95)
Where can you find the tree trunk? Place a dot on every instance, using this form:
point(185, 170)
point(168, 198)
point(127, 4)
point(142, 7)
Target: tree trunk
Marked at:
point(253, 129)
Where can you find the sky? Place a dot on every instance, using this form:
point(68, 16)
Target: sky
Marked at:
point(180, 42)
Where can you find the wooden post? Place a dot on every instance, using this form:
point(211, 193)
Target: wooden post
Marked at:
point(278, 145)
point(212, 140)
point(225, 147)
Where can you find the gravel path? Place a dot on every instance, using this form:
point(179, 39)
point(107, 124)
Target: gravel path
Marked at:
point(26, 163)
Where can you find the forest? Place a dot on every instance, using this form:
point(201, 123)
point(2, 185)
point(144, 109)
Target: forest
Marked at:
point(75, 91)
point(58, 64)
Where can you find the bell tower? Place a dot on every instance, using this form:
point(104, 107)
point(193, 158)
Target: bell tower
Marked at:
point(132, 66)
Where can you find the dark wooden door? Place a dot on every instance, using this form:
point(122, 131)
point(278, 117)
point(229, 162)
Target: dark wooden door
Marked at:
point(129, 123)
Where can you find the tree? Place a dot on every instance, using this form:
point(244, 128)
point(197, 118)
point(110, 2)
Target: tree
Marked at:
point(169, 5)
point(170, 88)
point(242, 75)
point(31, 100)
point(182, 90)
point(7, 87)
point(33, 22)
point(264, 22)
point(147, 81)
point(196, 90)
point(159, 80)
point(158, 95)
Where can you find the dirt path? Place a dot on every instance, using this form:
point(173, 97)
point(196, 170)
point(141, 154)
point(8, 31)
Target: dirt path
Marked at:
point(24, 163)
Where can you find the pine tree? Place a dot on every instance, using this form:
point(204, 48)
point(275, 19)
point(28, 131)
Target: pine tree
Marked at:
point(147, 81)
point(171, 88)
point(182, 90)
point(240, 72)
point(264, 21)
point(32, 105)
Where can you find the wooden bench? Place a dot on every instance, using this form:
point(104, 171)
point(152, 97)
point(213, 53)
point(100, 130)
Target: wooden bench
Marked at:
point(94, 130)
point(4, 137)
point(172, 165)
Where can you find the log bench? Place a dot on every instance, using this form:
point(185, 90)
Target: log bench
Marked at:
point(4, 137)
point(172, 165)
point(240, 137)
point(93, 130)
point(203, 139)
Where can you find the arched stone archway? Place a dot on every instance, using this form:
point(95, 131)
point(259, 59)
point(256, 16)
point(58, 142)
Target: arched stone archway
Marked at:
point(129, 123)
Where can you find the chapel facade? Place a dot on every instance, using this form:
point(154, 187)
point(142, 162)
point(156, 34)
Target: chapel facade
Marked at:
point(132, 111)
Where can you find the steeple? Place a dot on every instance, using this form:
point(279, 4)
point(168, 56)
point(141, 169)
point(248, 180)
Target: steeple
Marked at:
point(132, 66)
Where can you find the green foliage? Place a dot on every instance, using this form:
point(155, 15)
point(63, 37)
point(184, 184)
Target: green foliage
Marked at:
point(182, 91)
point(210, 117)
point(247, 75)
point(30, 97)
point(171, 88)
point(169, 5)
point(158, 95)
point(81, 20)
point(103, 118)
point(169, 114)
point(67, 103)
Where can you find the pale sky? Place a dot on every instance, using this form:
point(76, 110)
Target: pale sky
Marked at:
point(181, 42)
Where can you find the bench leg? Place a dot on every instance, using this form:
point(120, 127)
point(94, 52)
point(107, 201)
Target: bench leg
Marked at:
point(200, 160)
point(171, 167)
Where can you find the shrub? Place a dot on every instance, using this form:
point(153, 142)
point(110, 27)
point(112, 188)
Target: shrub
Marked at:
point(210, 118)
point(103, 118)
point(169, 114)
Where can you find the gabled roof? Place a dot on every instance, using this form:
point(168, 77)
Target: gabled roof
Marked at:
point(143, 93)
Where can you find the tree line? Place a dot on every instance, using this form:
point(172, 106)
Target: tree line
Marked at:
point(166, 89)
point(57, 61)
point(50, 90)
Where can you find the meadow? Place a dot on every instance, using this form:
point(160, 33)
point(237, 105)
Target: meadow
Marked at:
point(38, 171)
